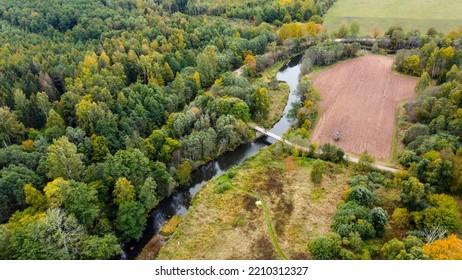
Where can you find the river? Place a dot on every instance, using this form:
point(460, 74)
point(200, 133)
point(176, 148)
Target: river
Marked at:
point(179, 202)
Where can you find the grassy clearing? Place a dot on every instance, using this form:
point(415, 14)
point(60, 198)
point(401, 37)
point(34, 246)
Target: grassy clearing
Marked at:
point(444, 15)
point(225, 223)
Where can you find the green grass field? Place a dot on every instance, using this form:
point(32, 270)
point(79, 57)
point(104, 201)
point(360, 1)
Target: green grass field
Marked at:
point(444, 15)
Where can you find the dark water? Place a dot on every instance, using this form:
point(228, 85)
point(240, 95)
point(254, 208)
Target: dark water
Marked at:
point(179, 201)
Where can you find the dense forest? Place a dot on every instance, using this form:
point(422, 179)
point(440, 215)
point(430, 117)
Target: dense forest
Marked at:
point(107, 106)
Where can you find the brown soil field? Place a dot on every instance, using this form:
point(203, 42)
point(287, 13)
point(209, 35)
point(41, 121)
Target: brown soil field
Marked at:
point(359, 98)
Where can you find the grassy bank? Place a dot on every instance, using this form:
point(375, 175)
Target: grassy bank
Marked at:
point(224, 222)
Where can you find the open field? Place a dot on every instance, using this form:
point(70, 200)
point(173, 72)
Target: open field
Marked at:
point(359, 98)
point(444, 15)
point(229, 225)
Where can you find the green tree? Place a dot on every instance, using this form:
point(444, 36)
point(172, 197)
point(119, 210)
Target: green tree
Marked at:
point(11, 130)
point(260, 104)
point(423, 83)
point(131, 220)
point(147, 194)
point(131, 164)
point(354, 28)
point(183, 172)
point(12, 181)
point(412, 193)
point(100, 248)
point(81, 200)
point(327, 247)
point(317, 171)
point(63, 160)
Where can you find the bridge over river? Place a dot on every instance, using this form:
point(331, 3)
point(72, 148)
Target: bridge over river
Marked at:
point(307, 150)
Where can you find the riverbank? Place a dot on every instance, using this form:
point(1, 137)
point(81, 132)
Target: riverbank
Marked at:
point(224, 222)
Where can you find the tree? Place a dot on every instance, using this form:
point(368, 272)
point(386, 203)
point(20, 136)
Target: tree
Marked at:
point(123, 191)
point(131, 164)
point(80, 200)
point(411, 65)
point(317, 171)
point(412, 193)
point(326, 247)
point(447, 249)
point(57, 236)
point(423, 83)
point(400, 218)
point(63, 160)
point(147, 194)
point(12, 181)
point(183, 172)
point(131, 220)
point(443, 212)
point(365, 162)
point(100, 248)
point(354, 28)
point(11, 130)
point(250, 64)
point(260, 104)
point(343, 30)
point(361, 195)
point(35, 198)
point(378, 218)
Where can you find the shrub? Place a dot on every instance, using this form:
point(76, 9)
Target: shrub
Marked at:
point(352, 217)
point(400, 218)
point(317, 171)
point(332, 153)
point(223, 186)
point(365, 162)
point(415, 131)
point(361, 195)
point(378, 218)
point(326, 247)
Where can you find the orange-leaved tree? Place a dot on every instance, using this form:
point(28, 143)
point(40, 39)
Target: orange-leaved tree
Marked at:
point(447, 249)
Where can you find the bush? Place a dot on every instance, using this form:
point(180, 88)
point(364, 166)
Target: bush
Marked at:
point(400, 218)
point(378, 218)
point(415, 131)
point(352, 217)
point(317, 171)
point(331, 153)
point(365, 162)
point(326, 247)
point(361, 195)
point(223, 186)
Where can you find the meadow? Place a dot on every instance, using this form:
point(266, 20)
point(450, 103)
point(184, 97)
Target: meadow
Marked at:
point(444, 15)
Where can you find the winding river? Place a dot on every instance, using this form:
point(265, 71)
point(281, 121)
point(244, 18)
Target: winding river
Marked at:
point(180, 200)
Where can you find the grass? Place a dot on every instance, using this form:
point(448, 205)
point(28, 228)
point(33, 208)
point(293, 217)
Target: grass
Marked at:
point(444, 15)
point(229, 225)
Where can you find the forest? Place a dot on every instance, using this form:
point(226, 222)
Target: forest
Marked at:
point(107, 106)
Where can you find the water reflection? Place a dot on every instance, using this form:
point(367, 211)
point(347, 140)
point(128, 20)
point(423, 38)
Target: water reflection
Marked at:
point(178, 203)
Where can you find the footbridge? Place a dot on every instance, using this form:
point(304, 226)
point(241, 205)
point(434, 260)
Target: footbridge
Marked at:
point(307, 150)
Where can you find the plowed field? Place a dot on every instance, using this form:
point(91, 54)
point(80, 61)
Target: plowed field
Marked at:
point(359, 98)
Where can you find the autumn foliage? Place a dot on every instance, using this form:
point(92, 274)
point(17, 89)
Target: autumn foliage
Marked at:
point(447, 249)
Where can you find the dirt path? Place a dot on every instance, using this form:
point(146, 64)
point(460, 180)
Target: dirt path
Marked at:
point(359, 98)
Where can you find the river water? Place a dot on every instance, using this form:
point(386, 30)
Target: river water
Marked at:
point(179, 202)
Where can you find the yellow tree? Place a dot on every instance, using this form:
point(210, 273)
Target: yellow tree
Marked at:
point(251, 64)
point(447, 249)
